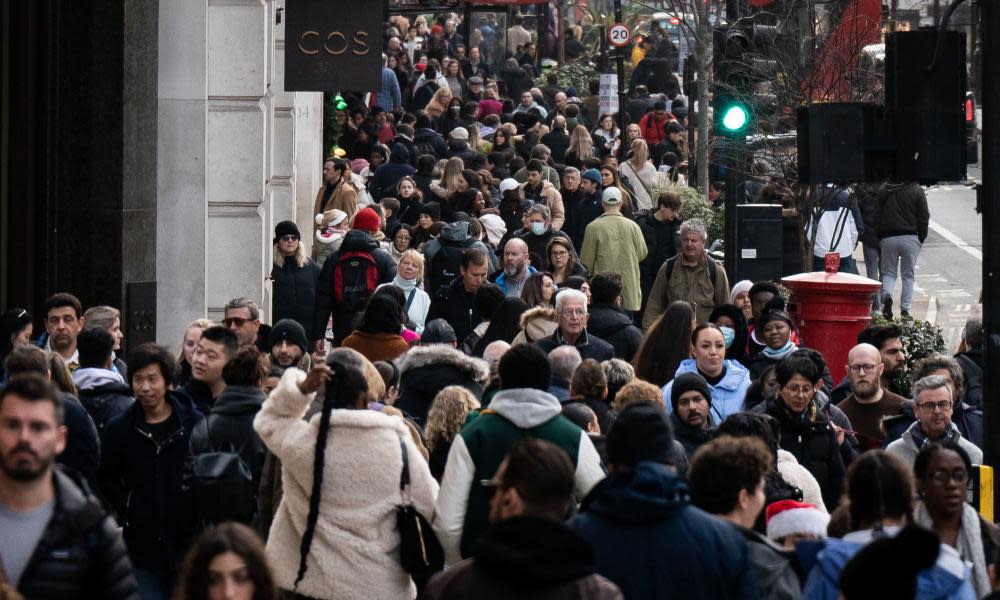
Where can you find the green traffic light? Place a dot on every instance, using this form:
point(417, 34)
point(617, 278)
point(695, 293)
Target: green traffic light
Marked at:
point(735, 118)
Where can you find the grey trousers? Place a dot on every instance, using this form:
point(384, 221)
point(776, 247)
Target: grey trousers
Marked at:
point(872, 259)
point(899, 258)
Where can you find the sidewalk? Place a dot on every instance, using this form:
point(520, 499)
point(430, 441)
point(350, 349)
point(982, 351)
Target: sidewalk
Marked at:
point(922, 308)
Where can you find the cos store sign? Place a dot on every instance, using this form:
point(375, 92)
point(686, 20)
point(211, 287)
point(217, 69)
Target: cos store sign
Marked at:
point(333, 45)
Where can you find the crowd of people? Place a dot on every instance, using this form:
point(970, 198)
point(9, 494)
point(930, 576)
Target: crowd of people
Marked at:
point(507, 367)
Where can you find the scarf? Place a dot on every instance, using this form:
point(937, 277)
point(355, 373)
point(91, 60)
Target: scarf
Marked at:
point(922, 441)
point(407, 285)
point(969, 544)
point(780, 353)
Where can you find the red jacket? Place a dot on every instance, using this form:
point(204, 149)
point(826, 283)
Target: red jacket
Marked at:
point(653, 130)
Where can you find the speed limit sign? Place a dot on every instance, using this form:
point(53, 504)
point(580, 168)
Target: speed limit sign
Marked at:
point(619, 35)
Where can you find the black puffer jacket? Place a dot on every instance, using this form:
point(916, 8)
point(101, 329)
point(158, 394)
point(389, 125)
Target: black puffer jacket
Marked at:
point(810, 438)
point(144, 482)
point(663, 242)
point(426, 370)
point(904, 211)
point(229, 426)
point(106, 402)
point(294, 290)
point(612, 325)
point(83, 444)
point(81, 554)
point(456, 306)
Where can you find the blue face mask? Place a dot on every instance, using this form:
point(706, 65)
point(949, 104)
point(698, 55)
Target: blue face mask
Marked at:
point(728, 334)
point(537, 228)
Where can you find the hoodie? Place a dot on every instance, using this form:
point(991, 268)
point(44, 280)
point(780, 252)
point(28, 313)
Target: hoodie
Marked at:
point(454, 235)
point(103, 393)
point(429, 141)
point(383, 182)
point(462, 510)
point(651, 542)
point(727, 395)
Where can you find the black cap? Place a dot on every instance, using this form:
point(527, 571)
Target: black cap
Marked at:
point(291, 330)
point(432, 210)
point(438, 331)
point(641, 432)
point(686, 383)
point(286, 228)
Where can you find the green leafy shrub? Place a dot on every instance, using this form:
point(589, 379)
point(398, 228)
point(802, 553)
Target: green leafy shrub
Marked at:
point(920, 339)
point(577, 73)
point(694, 206)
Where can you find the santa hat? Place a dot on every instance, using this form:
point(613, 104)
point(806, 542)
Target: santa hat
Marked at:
point(789, 517)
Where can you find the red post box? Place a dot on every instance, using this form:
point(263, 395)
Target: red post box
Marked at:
point(830, 309)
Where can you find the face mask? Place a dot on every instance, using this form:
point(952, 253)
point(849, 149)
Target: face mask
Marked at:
point(537, 228)
point(728, 334)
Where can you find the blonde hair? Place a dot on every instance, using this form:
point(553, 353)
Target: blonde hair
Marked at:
point(447, 414)
point(635, 392)
point(581, 143)
point(100, 317)
point(201, 324)
point(640, 154)
point(491, 92)
point(279, 258)
point(452, 169)
point(416, 257)
point(60, 374)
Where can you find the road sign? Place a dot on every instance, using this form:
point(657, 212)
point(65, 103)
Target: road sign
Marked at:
point(619, 35)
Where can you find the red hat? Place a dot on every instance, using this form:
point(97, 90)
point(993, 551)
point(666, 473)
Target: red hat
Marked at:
point(367, 219)
point(437, 29)
point(789, 516)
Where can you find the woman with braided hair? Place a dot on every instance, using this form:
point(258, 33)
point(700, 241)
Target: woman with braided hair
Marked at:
point(335, 533)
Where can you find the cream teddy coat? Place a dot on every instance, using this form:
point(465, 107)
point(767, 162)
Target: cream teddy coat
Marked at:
point(355, 548)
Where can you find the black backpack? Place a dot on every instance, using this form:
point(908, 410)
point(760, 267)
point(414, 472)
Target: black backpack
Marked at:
point(221, 483)
point(711, 268)
point(355, 277)
point(446, 262)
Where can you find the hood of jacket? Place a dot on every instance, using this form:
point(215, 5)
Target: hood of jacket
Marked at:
point(539, 322)
point(651, 492)
point(425, 134)
point(238, 400)
point(399, 154)
point(438, 354)
point(456, 232)
point(534, 552)
point(91, 378)
point(735, 373)
point(525, 407)
point(356, 239)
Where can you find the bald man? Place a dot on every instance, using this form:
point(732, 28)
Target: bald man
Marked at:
point(516, 268)
point(869, 402)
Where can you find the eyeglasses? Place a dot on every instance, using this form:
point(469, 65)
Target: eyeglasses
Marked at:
point(799, 391)
point(574, 312)
point(289, 238)
point(491, 486)
point(560, 253)
point(942, 406)
point(235, 321)
point(941, 477)
point(862, 368)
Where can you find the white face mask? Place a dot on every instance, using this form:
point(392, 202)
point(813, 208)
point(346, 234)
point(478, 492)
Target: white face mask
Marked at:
point(537, 228)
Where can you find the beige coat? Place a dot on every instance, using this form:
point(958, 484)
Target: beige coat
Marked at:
point(344, 198)
point(692, 284)
point(355, 548)
point(613, 243)
point(554, 201)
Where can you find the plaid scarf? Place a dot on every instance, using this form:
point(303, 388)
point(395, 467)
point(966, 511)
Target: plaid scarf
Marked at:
point(922, 441)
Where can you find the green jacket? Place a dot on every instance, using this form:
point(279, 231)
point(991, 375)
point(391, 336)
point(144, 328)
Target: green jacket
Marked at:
point(613, 243)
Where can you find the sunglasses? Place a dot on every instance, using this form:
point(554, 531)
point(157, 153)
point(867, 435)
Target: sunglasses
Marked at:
point(237, 321)
point(289, 238)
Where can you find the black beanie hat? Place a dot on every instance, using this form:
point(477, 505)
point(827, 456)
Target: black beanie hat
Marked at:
point(431, 209)
point(686, 383)
point(641, 432)
point(288, 329)
point(286, 228)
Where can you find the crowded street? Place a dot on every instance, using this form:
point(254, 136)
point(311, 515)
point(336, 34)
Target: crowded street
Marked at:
point(519, 300)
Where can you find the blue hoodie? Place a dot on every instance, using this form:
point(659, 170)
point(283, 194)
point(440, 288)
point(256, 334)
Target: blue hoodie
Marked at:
point(651, 542)
point(727, 395)
point(824, 561)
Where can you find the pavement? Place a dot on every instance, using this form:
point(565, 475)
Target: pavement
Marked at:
point(948, 276)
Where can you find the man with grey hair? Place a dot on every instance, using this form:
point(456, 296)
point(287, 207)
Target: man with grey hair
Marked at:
point(563, 361)
point(571, 309)
point(242, 317)
point(613, 243)
point(932, 406)
point(692, 276)
point(540, 232)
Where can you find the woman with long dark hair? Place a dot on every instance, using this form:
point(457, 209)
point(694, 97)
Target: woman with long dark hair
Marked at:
point(227, 561)
point(335, 534)
point(665, 345)
point(539, 290)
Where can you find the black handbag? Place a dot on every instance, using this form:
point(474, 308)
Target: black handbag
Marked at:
point(420, 552)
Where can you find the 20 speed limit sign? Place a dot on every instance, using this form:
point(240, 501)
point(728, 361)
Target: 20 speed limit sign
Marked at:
point(619, 35)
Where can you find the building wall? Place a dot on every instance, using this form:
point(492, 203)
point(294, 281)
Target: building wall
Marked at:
point(236, 154)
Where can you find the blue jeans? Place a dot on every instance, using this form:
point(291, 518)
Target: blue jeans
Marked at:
point(899, 258)
point(847, 264)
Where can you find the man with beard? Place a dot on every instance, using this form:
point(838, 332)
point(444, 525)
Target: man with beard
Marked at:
point(63, 322)
point(57, 542)
point(287, 342)
point(889, 341)
point(691, 399)
point(516, 268)
point(868, 402)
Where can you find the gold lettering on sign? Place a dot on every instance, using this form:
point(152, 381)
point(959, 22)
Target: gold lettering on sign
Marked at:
point(343, 38)
point(361, 43)
point(302, 41)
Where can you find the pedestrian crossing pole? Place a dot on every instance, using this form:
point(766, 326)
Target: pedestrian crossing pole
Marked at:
point(990, 204)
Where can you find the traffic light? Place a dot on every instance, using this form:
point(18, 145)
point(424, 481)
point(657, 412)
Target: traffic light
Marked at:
point(740, 63)
point(732, 116)
point(971, 145)
point(339, 103)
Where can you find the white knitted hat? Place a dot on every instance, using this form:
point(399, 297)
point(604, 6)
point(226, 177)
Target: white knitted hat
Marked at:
point(789, 516)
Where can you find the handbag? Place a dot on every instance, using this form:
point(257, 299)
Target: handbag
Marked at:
point(420, 552)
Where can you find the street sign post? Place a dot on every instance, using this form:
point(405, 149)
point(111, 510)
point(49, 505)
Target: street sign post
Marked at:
point(619, 35)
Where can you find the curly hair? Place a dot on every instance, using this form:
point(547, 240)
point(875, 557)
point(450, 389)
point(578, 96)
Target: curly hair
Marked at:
point(447, 414)
point(237, 538)
point(637, 391)
point(723, 467)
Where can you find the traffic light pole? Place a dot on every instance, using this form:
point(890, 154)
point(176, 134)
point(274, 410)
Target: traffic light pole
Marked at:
point(620, 63)
point(990, 203)
point(733, 155)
